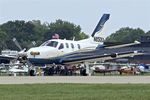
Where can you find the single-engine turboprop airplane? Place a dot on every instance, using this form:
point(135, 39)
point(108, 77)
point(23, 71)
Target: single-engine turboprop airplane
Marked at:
point(60, 51)
point(57, 47)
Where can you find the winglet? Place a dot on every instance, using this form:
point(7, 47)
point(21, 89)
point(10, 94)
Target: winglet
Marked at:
point(101, 23)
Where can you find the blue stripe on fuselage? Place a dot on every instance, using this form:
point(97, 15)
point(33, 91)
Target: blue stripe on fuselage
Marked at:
point(42, 62)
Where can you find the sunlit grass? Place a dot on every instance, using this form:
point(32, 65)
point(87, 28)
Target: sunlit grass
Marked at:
point(75, 92)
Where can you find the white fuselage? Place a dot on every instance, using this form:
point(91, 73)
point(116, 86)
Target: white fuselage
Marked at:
point(57, 47)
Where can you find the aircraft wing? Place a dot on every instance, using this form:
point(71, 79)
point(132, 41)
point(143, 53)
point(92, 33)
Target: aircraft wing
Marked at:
point(108, 47)
point(7, 57)
point(81, 58)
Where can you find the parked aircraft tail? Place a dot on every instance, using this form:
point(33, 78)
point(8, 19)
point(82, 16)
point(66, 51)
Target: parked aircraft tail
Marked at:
point(97, 36)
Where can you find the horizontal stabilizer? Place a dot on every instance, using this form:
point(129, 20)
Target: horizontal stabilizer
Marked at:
point(122, 45)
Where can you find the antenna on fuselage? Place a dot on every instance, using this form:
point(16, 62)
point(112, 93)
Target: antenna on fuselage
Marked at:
point(73, 39)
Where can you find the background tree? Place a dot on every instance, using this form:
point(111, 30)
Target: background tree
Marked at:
point(81, 36)
point(126, 35)
point(3, 37)
point(66, 30)
point(148, 33)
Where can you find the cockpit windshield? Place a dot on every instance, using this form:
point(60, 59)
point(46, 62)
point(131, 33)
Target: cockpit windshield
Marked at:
point(43, 44)
point(50, 43)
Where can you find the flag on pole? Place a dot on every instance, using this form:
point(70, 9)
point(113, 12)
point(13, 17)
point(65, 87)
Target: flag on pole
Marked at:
point(55, 36)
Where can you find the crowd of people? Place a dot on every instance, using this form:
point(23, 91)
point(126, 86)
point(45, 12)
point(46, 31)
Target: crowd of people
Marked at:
point(60, 71)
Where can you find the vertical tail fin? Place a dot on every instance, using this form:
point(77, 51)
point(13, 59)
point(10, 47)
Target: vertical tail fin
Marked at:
point(97, 36)
point(100, 24)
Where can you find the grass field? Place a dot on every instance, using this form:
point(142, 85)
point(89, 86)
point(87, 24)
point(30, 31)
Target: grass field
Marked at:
point(75, 92)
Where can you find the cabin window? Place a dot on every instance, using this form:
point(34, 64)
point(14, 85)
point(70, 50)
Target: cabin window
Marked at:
point(67, 45)
point(79, 46)
point(61, 46)
point(72, 46)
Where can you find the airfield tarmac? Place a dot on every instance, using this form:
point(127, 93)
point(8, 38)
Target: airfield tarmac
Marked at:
point(75, 79)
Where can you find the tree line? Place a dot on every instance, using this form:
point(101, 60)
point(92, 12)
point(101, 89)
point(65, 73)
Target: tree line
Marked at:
point(127, 34)
point(35, 31)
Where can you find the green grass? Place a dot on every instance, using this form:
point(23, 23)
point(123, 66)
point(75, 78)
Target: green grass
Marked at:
point(75, 92)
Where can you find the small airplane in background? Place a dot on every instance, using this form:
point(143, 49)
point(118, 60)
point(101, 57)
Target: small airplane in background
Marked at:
point(143, 68)
point(16, 67)
point(8, 55)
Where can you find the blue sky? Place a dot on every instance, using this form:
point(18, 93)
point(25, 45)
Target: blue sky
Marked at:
point(86, 13)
